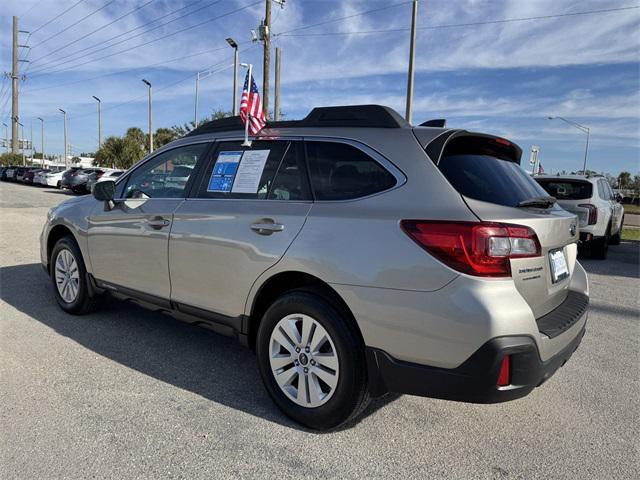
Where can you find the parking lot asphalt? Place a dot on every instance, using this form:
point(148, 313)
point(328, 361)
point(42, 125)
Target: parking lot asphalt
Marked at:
point(126, 393)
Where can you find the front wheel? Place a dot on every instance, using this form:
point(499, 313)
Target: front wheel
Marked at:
point(69, 278)
point(312, 361)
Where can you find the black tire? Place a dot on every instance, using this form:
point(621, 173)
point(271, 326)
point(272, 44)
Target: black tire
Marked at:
point(350, 396)
point(600, 247)
point(59, 185)
point(615, 239)
point(85, 301)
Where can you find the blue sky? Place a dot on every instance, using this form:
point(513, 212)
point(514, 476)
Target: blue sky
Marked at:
point(501, 78)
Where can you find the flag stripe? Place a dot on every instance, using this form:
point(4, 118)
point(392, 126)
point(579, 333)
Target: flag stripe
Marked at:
point(251, 109)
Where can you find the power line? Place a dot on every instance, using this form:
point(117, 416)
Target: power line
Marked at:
point(119, 72)
point(165, 87)
point(333, 20)
point(456, 25)
point(74, 24)
point(94, 31)
point(152, 41)
point(56, 17)
point(68, 60)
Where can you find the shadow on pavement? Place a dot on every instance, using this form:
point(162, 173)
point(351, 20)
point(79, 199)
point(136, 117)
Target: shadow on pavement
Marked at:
point(215, 367)
point(622, 261)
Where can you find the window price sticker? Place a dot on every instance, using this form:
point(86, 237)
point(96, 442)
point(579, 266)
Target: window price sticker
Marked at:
point(224, 172)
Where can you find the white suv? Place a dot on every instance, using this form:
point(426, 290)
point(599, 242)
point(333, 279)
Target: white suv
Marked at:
point(591, 198)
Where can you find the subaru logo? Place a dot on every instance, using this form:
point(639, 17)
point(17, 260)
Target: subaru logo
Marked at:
point(572, 229)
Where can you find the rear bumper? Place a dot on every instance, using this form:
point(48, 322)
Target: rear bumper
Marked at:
point(475, 380)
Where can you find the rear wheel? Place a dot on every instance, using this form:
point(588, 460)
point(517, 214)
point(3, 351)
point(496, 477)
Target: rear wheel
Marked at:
point(600, 247)
point(69, 278)
point(615, 239)
point(312, 361)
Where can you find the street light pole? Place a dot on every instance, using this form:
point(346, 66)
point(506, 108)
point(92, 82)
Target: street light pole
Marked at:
point(42, 138)
point(583, 129)
point(195, 113)
point(21, 143)
point(148, 84)
point(412, 59)
point(99, 122)
point(66, 164)
point(234, 45)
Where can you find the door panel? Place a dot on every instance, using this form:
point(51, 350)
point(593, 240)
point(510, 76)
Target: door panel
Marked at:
point(128, 245)
point(218, 248)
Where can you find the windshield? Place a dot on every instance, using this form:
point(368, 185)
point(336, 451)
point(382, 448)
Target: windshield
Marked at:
point(567, 189)
point(490, 179)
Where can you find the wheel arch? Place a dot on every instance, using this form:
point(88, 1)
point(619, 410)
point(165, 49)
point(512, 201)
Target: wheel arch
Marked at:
point(283, 282)
point(56, 233)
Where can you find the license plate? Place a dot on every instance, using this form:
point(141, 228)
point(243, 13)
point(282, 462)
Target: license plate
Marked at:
point(559, 269)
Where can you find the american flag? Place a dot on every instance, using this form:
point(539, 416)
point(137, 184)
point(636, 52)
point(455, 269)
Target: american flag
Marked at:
point(251, 107)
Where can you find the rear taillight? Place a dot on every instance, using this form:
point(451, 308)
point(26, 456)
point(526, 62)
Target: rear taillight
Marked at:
point(593, 213)
point(483, 249)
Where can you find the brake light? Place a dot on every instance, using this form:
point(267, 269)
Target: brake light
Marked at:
point(505, 372)
point(483, 249)
point(593, 213)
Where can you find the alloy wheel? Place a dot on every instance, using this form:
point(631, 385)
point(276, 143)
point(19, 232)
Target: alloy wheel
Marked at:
point(303, 360)
point(67, 276)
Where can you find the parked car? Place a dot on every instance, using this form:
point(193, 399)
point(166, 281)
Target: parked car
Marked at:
point(2, 170)
point(19, 173)
point(54, 178)
point(9, 174)
point(76, 179)
point(29, 175)
point(96, 177)
point(354, 253)
point(591, 198)
point(38, 177)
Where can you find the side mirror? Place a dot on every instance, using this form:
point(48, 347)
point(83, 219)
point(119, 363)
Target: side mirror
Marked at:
point(618, 198)
point(104, 191)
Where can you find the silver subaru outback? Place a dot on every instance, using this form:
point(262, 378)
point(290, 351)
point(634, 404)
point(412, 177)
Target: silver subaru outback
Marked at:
point(354, 253)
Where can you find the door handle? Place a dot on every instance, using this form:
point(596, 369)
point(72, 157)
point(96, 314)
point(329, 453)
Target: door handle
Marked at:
point(158, 222)
point(266, 226)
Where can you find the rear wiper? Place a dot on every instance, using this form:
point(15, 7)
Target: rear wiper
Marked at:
point(540, 202)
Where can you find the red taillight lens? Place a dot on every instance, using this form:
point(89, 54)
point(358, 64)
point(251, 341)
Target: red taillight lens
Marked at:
point(504, 377)
point(482, 249)
point(593, 213)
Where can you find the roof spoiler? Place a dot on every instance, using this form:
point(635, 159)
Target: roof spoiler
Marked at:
point(437, 122)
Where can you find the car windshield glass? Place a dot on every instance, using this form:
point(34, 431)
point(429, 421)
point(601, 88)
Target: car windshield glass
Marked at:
point(490, 179)
point(567, 189)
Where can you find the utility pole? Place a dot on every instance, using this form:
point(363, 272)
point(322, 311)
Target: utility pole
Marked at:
point(66, 165)
point(276, 97)
point(148, 84)
point(42, 138)
point(195, 113)
point(24, 162)
point(99, 122)
point(267, 57)
point(14, 89)
point(412, 58)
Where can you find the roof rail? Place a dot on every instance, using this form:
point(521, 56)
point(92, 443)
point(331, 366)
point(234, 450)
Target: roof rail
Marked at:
point(369, 116)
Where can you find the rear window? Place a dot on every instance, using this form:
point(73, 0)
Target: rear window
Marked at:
point(486, 168)
point(567, 189)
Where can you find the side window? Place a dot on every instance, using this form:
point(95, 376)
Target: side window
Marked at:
point(339, 172)
point(165, 175)
point(602, 190)
point(267, 170)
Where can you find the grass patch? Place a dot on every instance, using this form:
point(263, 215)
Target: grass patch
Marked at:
point(632, 209)
point(632, 234)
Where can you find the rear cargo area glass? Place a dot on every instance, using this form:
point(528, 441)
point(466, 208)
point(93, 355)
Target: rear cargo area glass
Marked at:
point(567, 189)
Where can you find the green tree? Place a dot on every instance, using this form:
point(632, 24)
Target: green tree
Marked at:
point(11, 159)
point(120, 152)
point(624, 180)
point(163, 136)
point(137, 136)
point(182, 130)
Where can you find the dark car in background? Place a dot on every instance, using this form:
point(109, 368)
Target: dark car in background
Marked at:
point(76, 181)
point(30, 174)
point(19, 173)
